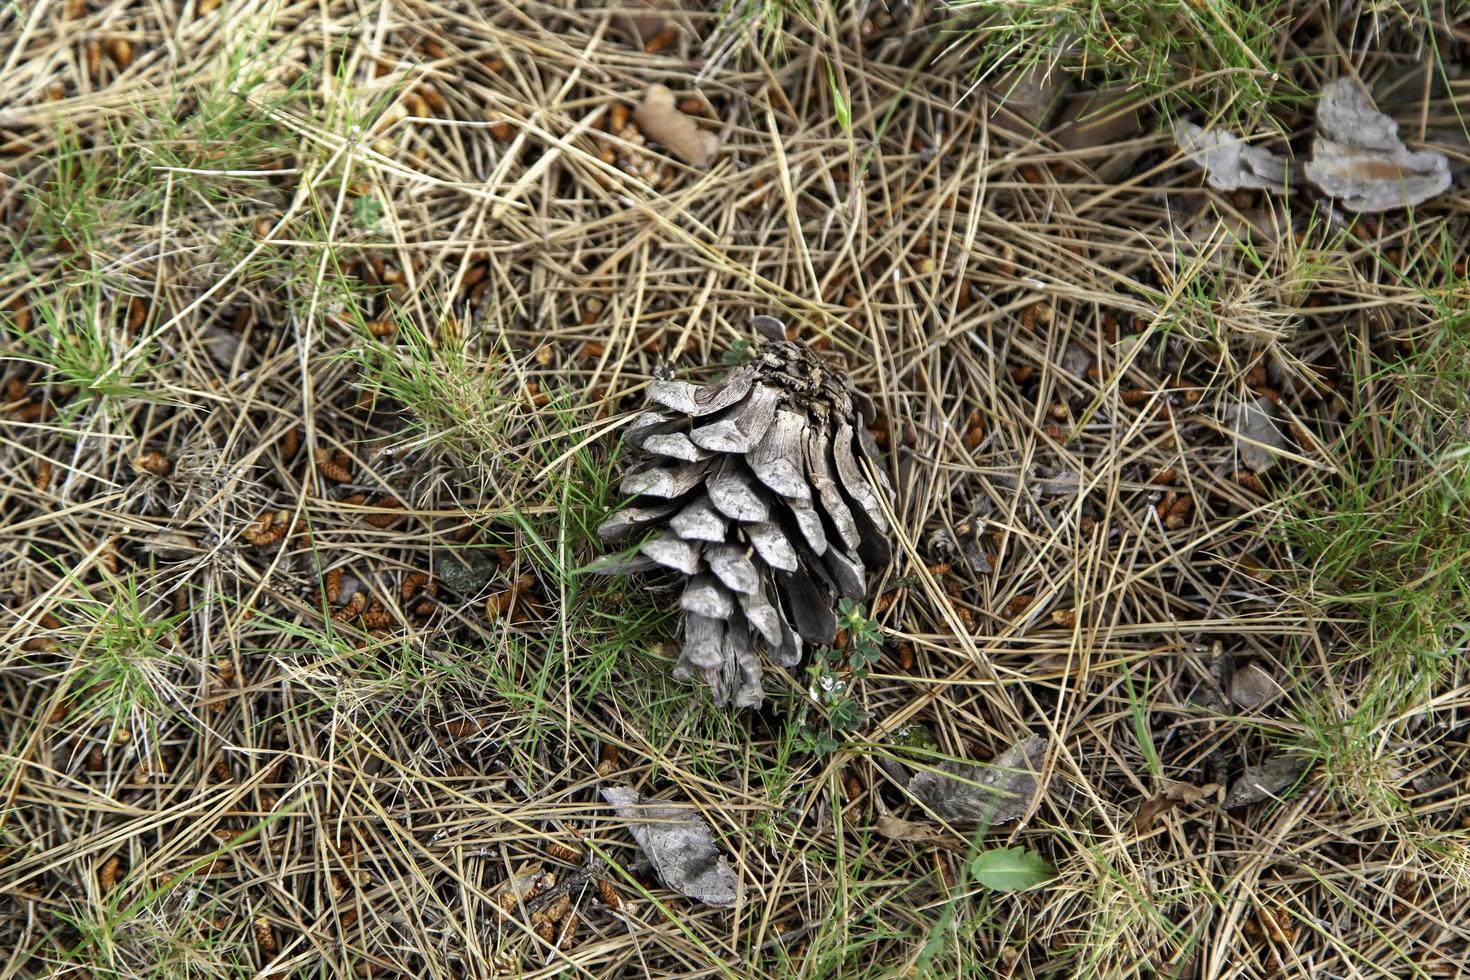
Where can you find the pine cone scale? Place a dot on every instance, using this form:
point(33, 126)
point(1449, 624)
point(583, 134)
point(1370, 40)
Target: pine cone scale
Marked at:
point(742, 427)
point(700, 522)
point(733, 494)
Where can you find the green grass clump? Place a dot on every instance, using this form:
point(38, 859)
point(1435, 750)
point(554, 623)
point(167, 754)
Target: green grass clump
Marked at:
point(1385, 541)
point(1222, 57)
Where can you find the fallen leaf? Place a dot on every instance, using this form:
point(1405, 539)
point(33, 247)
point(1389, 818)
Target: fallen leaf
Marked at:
point(1229, 162)
point(896, 828)
point(1173, 794)
point(992, 794)
point(1011, 869)
point(1252, 687)
point(679, 844)
point(1358, 158)
point(659, 118)
point(1258, 437)
point(1269, 779)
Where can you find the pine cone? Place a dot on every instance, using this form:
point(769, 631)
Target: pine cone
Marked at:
point(764, 506)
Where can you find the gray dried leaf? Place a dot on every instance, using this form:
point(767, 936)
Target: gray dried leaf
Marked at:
point(1257, 438)
point(660, 119)
point(1268, 780)
point(621, 524)
point(1358, 158)
point(1032, 93)
point(733, 567)
point(675, 445)
point(704, 596)
point(740, 429)
point(664, 481)
point(771, 543)
point(1252, 687)
point(699, 521)
point(672, 551)
point(993, 794)
point(732, 491)
point(777, 460)
point(1229, 162)
point(680, 846)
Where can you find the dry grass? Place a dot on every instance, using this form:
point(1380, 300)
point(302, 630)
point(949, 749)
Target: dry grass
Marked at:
point(364, 279)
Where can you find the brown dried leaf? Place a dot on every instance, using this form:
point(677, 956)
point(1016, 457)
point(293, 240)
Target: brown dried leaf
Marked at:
point(993, 794)
point(659, 118)
point(679, 844)
point(914, 831)
point(1358, 158)
point(1229, 162)
point(1173, 794)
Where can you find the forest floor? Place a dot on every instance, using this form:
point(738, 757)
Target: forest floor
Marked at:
point(320, 324)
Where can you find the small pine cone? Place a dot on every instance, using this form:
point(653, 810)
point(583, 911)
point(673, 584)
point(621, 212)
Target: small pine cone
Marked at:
point(763, 504)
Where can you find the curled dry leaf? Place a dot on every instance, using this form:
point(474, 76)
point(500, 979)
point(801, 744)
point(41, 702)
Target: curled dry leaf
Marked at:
point(659, 118)
point(1269, 779)
point(1358, 158)
point(1173, 794)
point(679, 844)
point(1229, 162)
point(993, 794)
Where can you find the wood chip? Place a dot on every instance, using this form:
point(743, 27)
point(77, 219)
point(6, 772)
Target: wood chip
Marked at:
point(660, 119)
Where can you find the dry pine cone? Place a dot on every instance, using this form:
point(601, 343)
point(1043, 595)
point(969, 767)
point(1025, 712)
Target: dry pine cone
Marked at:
point(763, 504)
